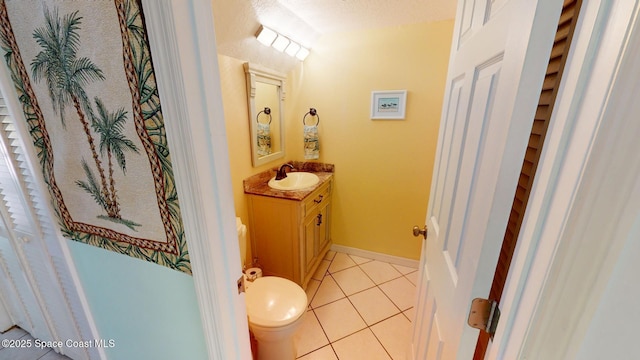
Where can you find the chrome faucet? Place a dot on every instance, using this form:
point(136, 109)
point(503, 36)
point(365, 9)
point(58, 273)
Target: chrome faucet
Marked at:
point(282, 172)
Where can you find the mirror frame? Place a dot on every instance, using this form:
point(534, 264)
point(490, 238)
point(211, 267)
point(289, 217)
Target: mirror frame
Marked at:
point(255, 73)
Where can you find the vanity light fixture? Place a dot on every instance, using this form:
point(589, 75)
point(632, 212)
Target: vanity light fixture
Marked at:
point(269, 37)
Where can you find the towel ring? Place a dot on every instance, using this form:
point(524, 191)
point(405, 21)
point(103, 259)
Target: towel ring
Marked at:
point(267, 111)
point(312, 112)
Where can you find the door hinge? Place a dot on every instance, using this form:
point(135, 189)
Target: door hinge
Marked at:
point(484, 315)
point(241, 284)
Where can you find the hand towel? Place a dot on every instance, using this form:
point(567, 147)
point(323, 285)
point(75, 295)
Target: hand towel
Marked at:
point(264, 139)
point(311, 142)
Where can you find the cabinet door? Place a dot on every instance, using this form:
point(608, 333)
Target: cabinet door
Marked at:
point(275, 231)
point(316, 235)
point(309, 242)
point(324, 227)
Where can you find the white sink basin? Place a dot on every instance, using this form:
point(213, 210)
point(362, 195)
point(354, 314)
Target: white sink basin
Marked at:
point(294, 181)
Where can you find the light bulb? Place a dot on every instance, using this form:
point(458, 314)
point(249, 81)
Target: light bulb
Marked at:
point(266, 36)
point(281, 43)
point(302, 54)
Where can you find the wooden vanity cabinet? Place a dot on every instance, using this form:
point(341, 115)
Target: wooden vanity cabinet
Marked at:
point(291, 237)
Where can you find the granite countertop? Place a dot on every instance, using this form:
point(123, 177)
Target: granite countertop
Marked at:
point(257, 184)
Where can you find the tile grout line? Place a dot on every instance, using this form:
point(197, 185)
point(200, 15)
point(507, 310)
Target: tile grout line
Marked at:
point(381, 344)
point(387, 296)
point(312, 309)
point(367, 326)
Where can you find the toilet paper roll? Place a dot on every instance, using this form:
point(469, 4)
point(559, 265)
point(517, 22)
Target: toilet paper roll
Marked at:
point(253, 273)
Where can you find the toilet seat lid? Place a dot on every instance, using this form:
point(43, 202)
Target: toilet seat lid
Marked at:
point(273, 301)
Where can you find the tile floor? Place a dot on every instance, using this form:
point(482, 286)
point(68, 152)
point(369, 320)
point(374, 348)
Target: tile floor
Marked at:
point(358, 309)
point(31, 353)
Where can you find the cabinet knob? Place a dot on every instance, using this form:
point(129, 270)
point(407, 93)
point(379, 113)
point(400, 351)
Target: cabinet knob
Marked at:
point(318, 200)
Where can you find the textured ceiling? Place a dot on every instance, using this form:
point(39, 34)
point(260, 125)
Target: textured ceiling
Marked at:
point(327, 16)
point(236, 22)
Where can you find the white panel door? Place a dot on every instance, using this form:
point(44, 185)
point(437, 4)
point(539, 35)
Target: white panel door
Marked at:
point(487, 114)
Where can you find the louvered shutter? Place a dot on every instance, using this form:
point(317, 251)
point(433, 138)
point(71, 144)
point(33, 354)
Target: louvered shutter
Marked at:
point(51, 299)
point(550, 86)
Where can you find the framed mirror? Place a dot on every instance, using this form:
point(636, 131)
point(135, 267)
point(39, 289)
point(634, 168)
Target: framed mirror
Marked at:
point(265, 95)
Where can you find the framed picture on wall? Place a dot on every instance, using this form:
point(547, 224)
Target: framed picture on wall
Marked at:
point(388, 104)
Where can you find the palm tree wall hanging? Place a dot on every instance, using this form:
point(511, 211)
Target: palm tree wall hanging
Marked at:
point(83, 73)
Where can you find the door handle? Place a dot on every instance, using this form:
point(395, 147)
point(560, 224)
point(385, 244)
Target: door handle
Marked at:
point(417, 231)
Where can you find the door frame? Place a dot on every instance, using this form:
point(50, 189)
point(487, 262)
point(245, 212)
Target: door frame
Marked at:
point(182, 40)
point(560, 247)
point(180, 33)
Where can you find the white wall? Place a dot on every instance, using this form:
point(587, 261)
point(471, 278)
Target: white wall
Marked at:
point(613, 332)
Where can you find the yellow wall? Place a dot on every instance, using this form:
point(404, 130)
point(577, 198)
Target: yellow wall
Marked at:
point(383, 167)
point(236, 115)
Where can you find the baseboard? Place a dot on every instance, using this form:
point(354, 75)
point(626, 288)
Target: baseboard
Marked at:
point(397, 260)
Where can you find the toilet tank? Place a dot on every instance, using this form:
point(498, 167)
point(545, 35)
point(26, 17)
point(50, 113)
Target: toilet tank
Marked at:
point(242, 240)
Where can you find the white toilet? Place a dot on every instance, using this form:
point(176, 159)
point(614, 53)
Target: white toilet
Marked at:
point(275, 307)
